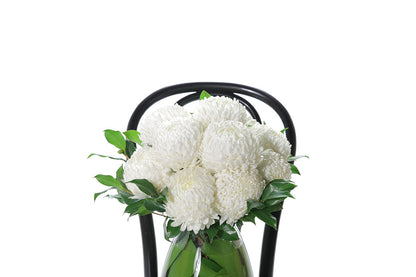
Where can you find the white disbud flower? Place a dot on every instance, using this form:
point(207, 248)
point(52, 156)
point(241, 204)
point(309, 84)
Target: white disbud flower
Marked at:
point(178, 141)
point(150, 122)
point(190, 199)
point(234, 188)
point(271, 139)
point(143, 164)
point(229, 144)
point(274, 166)
point(217, 109)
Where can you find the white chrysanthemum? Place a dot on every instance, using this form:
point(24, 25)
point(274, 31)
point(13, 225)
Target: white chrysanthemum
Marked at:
point(229, 144)
point(190, 199)
point(234, 188)
point(274, 166)
point(217, 109)
point(178, 142)
point(149, 124)
point(271, 139)
point(143, 164)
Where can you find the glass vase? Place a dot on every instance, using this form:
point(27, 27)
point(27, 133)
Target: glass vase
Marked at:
point(191, 255)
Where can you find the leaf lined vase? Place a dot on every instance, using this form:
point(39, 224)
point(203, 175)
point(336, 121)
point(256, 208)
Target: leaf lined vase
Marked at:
point(195, 255)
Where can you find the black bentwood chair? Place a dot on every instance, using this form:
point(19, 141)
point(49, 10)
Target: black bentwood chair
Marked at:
point(215, 89)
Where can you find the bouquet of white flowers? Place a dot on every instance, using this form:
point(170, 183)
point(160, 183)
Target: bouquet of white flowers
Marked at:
point(215, 165)
point(205, 171)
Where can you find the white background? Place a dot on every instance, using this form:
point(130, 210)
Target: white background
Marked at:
point(345, 70)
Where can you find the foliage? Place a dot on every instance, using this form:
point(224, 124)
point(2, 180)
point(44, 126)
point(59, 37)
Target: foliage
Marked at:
point(204, 95)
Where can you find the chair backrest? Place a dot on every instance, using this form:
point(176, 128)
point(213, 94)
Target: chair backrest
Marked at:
point(229, 90)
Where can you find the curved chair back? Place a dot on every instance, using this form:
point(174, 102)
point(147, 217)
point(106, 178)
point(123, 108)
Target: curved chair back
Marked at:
point(216, 89)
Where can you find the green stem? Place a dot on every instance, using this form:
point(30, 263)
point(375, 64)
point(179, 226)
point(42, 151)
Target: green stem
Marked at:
point(159, 214)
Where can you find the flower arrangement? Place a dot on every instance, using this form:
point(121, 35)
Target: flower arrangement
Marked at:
point(207, 171)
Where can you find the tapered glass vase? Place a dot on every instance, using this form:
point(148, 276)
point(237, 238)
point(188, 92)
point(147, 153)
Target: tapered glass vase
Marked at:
point(190, 255)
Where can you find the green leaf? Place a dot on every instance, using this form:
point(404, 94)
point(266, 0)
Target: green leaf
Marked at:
point(254, 204)
point(137, 207)
point(115, 196)
point(249, 218)
point(133, 136)
point(145, 186)
point(283, 184)
point(272, 209)
point(239, 224)
point(108, 180)
point(130, 148)
point(162, 196)
point(294, 169)
point(125, 197)
point(115, 138)
point(284, 130)
point(276, 202)
point(143, 210)
point(99, 193)
point(278, 188)
point(181, 260)
point(169, 230)
point(266, 217)
point(294, 158)
point(212, 231)
point(120, 173)
point(165, 191)
point(204, 94)
point(211, 264)
point(133, 208)
point(103, 156)
point(227, 232)
point(154, 205)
